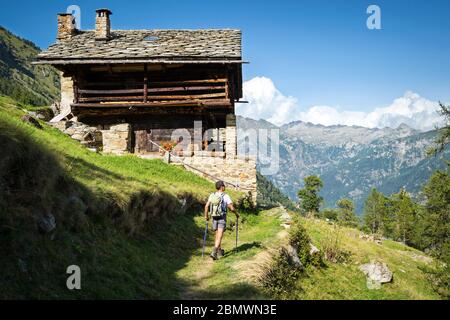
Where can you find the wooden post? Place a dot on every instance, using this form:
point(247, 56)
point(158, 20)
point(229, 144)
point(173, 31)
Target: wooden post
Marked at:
point(145, 83)
point(75, 87)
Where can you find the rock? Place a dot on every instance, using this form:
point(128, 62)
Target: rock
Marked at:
point(377, 273)
point(45, 114)
point(77, 136)
point(29, 119)
point(70, 131)
point(285, 216)
point(183, 205)
point(313, 249)
point(293, 255)
point(47, 223)
point(75, 204)
point(371, 237)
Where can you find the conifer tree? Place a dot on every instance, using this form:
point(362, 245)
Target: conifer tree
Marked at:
point(310, 200)
point(346, 213)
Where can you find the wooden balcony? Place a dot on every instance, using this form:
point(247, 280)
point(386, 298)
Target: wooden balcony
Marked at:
point(199, 92)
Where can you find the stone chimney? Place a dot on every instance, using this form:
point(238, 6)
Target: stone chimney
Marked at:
point(66, 26)
point(102, 24)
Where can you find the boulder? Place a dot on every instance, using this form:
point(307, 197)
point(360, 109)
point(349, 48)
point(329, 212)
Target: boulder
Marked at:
point(313, 249)
point(45, 114)
point(29, 119)
point(293, 255)
point(377, 273)
point(47, 223)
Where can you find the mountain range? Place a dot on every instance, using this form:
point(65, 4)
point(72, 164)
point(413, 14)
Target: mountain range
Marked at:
point(350, 160)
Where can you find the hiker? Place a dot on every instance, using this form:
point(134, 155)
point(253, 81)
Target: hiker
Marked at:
point(217, 206)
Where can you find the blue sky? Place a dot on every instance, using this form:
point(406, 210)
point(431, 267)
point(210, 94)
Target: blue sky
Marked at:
point(319, 52)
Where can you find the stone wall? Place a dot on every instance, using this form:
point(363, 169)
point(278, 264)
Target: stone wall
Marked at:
point(231, 136)
point(90, 137)
point(239, 171)
point(116, 139)
point(67, 92)
point(212, 165)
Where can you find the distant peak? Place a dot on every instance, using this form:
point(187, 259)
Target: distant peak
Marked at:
point(403, 126)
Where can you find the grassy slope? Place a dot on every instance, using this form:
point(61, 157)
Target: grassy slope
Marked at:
point(132, 243)
point(346, 281)
point(236, 276)
point(129, 244)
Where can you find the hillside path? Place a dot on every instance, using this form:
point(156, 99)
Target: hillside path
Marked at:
point(236, 274)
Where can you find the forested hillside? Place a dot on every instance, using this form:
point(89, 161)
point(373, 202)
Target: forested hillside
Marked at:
point(349, 160)
point(27, 83)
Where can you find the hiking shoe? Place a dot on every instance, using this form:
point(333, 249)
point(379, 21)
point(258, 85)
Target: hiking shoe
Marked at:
point(214, 254)
point(220, 253)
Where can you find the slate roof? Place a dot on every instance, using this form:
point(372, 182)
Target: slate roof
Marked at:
point(163, 45)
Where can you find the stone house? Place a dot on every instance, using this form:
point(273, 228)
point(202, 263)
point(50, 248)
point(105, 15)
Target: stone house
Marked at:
point(147, 91)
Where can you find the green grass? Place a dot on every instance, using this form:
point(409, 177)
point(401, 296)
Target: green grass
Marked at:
point(129, 243)
point(346, 281)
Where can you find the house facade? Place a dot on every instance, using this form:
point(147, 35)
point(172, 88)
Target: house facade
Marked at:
point(152, 91)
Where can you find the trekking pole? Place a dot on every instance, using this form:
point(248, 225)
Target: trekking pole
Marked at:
point(204, 238)
point(237, 232)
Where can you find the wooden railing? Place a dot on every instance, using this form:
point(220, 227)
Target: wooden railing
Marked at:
point(206, 91)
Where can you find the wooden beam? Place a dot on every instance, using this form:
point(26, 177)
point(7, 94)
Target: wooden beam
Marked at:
point(75, 87)
point(168, 89)
point(186, 88)
point(214, 102)
point(150, 97)
point(83, 113)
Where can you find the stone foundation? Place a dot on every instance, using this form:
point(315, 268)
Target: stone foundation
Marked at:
point(211, 165)
point(116, 139)
point(88, 136)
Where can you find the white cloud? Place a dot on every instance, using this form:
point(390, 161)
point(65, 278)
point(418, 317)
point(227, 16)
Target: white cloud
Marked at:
point(267, 102)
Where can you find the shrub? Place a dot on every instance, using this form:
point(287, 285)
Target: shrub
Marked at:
point(440, 279)
point(330, 214)
point(246, 204)
point(280, 278)
point(299, 239)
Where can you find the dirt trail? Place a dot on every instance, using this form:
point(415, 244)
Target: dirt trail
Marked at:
point(199, 271)
point(198, 282)
point(251, 269)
